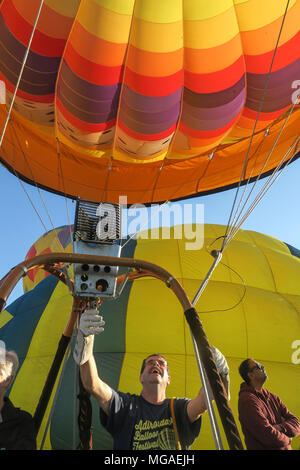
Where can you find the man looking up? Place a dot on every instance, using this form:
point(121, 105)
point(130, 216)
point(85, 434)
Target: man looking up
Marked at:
point(266, 422)
point(147, 421)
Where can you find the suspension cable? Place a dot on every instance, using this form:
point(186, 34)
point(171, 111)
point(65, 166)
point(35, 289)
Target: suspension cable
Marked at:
point(278, 170)
point(236, 217)
point(258, 114)
point(21, 72)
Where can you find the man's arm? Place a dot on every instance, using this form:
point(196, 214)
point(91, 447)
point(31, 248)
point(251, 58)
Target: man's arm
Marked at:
point(94, 385)
point(91, 324)
point(196, 407)
point(252, 416)
point(290, 424)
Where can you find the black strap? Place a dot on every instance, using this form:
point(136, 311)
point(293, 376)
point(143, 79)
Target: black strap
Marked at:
point(84, 419)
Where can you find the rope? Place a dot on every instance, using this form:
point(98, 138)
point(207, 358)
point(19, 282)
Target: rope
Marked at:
point(271, 180)
point(258, 114)
point(37, 188)
point(274, 171)
point(8, 119)
point(214, 379)
point(21, 72)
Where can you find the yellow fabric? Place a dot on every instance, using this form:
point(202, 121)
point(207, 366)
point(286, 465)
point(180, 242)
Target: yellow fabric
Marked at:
point(31, 377)
point(259, 318)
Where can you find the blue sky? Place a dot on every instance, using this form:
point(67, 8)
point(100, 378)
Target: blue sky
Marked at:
point(276, 215)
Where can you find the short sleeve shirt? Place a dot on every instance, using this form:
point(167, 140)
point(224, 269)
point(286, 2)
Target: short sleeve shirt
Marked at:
point(136, 424)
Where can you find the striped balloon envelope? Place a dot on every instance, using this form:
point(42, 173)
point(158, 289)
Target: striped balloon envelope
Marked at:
point(250, 308)
point(149, 99)
point(55, 241)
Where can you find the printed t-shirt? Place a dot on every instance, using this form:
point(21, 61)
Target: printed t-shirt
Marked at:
point(136, 424)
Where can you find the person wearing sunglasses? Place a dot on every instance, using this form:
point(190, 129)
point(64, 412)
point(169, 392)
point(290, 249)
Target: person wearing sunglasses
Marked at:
point(266, 422)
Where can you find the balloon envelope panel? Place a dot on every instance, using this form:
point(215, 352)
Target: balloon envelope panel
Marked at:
point(148, 99)
point(54, 241)
point(251, 310)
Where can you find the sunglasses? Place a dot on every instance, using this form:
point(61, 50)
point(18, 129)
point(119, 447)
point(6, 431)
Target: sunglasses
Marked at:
point(257, 366)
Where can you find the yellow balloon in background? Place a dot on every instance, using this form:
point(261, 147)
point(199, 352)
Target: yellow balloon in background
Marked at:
point(250, 308)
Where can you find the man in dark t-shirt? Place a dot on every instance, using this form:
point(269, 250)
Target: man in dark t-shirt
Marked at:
point(137, 424)
point(149, 421)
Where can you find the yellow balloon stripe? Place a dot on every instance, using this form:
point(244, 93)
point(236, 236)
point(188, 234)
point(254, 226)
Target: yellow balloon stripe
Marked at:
point(5, 317)
point(110, 25)
point(33, 373)
point(255, 14)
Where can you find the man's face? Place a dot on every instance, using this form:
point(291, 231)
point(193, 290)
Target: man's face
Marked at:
point(257, 371)
point(155, 371)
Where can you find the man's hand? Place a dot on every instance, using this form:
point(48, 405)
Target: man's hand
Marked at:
point(220, 361)
point(90, 324)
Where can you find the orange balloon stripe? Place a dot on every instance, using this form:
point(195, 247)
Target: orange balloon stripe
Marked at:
point(81, 125)
point(51, 22)
point(154, 64)
point(202, 61)
point(91, 72)
point(285, 55)
point(95, 49)
point(41, 43)
point(245, 126)
point(263, 40)
point(217, 81)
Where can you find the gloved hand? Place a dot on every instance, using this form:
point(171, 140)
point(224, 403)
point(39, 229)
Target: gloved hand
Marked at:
point(90, 324)
point(222, 367)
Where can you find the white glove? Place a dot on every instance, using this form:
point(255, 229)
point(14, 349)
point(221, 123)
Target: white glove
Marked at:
point(91, 324)
point(222, 367)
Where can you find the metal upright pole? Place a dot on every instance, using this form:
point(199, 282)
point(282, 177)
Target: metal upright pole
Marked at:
point(210, 408)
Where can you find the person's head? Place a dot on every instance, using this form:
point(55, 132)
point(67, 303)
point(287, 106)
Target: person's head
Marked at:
point(253, 373)
point(155, 370)
point(8, 368)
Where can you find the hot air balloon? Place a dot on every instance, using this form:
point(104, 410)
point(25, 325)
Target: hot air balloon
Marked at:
point(152, 100)
point(237, 300)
